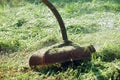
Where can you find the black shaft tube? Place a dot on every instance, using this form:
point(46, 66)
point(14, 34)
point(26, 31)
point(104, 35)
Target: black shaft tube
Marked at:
point(59, 19)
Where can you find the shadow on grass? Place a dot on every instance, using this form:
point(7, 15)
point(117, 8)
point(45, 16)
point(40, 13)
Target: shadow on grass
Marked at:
point(118, 78)
point(54, 69)
point(9, 46)
point(109, 54)
point(81, 67)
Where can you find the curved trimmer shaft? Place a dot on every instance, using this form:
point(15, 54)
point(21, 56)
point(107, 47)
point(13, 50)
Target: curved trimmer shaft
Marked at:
point(59, 19)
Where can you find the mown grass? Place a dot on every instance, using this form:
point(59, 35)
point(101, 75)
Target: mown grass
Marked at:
point(31, 26)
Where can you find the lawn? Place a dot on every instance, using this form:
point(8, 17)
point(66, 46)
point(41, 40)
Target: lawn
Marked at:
point(28, 26)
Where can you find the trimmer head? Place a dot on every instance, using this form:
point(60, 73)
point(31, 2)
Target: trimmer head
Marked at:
point(63, 52)
point(60, 53)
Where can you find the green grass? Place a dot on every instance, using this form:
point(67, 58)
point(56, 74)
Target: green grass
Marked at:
point(29, 26)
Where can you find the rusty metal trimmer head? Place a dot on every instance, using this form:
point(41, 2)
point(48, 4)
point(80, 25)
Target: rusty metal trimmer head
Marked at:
point(60, 53)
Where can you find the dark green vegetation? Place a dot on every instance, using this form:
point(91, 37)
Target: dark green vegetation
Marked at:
point(27, 26)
